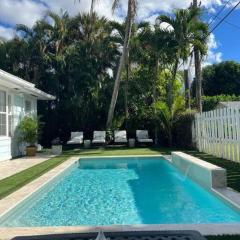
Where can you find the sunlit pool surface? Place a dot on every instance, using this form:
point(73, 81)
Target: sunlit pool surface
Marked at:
point(108, 191)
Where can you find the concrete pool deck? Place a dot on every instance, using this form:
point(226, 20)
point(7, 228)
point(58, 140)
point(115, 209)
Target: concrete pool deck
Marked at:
point(204, 229)
point(20, 195)
point(11, 167)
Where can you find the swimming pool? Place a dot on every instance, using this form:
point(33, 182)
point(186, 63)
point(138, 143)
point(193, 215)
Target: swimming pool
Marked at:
point(127, 190)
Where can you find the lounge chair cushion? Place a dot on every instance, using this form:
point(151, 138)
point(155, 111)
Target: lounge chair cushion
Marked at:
point(98, 141)
point(75, 141)
point(142, 136)
point(120, 137)
point(99, 137)
point(121, 140)
point(76, 138)
point(145, 140)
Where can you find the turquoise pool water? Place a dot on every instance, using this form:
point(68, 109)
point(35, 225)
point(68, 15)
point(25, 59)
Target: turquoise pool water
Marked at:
point(108, 191)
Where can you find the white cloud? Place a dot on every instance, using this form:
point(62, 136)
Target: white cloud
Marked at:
point(213, 55)
point(6, 33)
point(20, 11)
point(28, 11)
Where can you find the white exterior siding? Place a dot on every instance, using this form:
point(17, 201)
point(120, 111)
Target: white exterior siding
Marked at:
point(5, 148)
point(9, 145)
point(14, 92)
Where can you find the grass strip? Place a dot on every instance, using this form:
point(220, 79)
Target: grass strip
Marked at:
point(18, 180)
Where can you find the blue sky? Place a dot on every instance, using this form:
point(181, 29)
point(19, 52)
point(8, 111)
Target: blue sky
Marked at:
point(228, 37)
point(223, 44)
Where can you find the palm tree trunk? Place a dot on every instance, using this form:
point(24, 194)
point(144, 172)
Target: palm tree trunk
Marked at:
point(198, 77)
point(155, 99)
point(92, 7)
point(171, 83)
point(126, 92)
point(187, 90)
point(120, 66)
point(198, 71)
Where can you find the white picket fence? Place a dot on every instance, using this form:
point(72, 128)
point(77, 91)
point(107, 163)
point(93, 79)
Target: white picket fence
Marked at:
point(217, 132)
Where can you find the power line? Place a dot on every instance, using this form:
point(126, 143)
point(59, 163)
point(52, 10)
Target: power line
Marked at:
point(216, 26)
point(231, 24)
point(219, 12)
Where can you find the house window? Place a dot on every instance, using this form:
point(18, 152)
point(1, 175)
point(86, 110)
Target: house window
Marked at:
point(10, 118)
point(28, 106)
point(3, 113)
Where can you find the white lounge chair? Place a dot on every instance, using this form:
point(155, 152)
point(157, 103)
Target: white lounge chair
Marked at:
point(99, 137)
point(142, 136)
point(120, 136)
point(76, 138)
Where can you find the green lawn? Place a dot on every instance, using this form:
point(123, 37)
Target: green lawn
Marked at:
point(12, 183)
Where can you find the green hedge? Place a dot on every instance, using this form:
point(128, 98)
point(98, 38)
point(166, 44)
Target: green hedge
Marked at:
point(182, 129)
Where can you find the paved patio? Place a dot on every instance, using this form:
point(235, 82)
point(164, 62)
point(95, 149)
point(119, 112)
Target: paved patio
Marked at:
point(11, 167)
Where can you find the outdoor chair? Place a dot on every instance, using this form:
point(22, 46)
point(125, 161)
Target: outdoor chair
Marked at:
point(143, 137)
point(76, 138)
point(120, 136)
point(99, 137)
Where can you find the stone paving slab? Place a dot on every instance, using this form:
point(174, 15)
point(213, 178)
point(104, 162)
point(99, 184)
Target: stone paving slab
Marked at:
point(11, 167)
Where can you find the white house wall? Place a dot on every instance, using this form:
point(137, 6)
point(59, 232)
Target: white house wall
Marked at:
point(19, 112)
point(5, 148)
point(10, 146)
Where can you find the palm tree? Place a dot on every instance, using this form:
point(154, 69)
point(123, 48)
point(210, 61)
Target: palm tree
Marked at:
point(132, 6)
point(201, 34)
point(168, 115)
point(59, 31)
point(118, 36)
point(36, 43)
point(132, 55)
point(154, 41)
point(187, 32)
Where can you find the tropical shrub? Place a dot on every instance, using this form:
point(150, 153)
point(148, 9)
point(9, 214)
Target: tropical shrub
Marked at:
point(29, 130)
point(182, 129)
point(167, 116)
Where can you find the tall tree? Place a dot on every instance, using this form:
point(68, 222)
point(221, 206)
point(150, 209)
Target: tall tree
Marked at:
point(198, 68)
point(221, 78)
point(153, 41)
point(187, 32)
point(132, 6)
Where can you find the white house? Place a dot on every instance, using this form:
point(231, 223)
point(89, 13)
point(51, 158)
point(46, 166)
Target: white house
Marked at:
point(229, 104)
point(17, 98)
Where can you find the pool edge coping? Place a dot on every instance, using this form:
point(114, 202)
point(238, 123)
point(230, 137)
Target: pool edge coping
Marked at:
point(204, 229)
